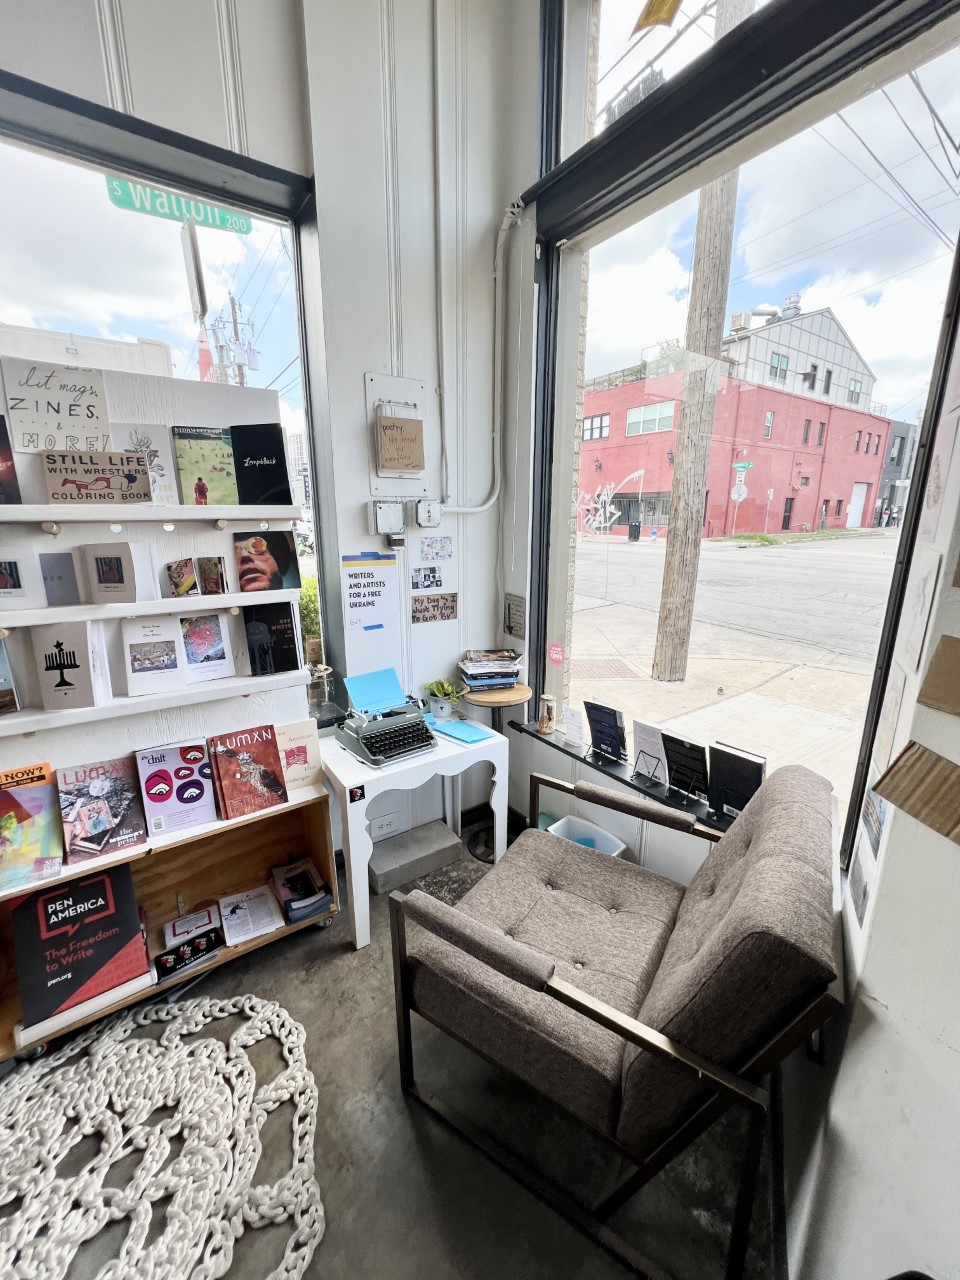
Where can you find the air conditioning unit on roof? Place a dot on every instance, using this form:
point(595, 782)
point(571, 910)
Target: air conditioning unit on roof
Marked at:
point(740, 322)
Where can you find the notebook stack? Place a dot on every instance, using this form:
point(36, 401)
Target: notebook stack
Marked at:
point(490, 669)
point(300, 891)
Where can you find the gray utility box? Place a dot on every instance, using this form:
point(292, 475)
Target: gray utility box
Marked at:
point(403, 857)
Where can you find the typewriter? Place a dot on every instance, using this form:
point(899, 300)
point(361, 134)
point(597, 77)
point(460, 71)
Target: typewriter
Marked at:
point(384, 726)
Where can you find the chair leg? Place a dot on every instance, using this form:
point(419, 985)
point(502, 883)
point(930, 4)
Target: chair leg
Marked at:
point(398, 939)
point(746, 1194)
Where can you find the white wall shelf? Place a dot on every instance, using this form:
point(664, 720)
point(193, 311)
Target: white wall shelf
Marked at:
point(14, 618)
point(30, 721)
point(142, 513)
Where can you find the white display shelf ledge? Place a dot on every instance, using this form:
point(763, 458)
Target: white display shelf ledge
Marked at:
point(159, 844)
point(30, 721)
point(140, 513)
point(184, 605)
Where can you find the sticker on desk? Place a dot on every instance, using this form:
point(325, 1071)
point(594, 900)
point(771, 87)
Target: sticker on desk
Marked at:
point(441, 608)
point(370, 598)
point(427, 577)
point(356, 793)
point(436, 547)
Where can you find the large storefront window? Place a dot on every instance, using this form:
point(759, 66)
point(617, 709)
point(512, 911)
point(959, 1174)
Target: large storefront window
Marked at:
point(763, 352)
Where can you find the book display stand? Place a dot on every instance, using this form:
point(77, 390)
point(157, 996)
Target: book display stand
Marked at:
point(181, 871)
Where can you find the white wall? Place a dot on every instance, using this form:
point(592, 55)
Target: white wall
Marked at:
point(873, 1173)
point(229, 72)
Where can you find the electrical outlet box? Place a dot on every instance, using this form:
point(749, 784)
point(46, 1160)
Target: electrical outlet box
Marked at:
point(386, 517)
point(428, 513)
point(385, 825)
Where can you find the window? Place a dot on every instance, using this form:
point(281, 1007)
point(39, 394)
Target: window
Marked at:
point(596, 427)
point(778, 367)
point(856, 442)
point(896, 450)
point(768, 424)
point(854, 390)
point(810, 377)
point(827, 380)
point(651, 417)
point(838, 510)
point(876, 447)
point(866, 447)
point(806, 431)
point(804, 482)
point(824, 508)
point(821, 432)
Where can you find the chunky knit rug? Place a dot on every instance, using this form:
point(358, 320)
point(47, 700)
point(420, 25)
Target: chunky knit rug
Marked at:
point(183, 1112)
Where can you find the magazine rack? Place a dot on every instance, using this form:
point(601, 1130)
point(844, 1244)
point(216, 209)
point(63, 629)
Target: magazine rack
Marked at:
point(180, 873)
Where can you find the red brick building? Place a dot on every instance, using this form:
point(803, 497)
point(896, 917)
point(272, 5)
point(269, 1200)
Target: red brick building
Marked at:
point(815, 462)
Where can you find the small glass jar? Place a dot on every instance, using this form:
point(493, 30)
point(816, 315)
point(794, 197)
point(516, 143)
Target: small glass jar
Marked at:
point(548, 714)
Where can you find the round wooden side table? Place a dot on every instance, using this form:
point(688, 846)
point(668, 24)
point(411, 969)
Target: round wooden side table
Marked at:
point(497, 699)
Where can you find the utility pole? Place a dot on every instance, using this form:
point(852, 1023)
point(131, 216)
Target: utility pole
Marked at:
point(710, 280)
point(241, 372)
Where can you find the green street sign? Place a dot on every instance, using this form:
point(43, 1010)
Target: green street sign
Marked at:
point(138, 197)
point(742, 466)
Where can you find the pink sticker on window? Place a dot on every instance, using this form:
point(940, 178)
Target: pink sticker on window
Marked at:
point(555, 654)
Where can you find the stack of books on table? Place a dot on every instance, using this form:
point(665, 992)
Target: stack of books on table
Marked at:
point(490, 669)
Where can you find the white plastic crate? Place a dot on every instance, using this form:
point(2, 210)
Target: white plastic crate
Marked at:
point(588, 834)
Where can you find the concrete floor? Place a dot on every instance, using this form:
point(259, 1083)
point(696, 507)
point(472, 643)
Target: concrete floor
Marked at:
point(407, 1199)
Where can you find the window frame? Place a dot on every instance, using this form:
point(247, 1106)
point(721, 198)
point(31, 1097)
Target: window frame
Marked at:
point(656, 429)
point(602, 432)
point(807, 424)
point(768, 419)
point(853, 397)
point(821, 434)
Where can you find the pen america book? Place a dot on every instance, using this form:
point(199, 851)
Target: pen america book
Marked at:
point(76, 942)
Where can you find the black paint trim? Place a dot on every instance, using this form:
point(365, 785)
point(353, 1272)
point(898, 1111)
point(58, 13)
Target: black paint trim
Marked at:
point(110, 140)
point(780, 57)
point(548, 280)
point(551, 83)
point(946, 353)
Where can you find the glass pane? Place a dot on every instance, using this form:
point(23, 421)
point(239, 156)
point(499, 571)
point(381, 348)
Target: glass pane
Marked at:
point(772, 439)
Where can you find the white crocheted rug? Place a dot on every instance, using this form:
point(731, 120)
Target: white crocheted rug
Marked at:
point(156, 1090)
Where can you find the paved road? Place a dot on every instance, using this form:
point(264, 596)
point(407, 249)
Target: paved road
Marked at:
point(831, 595)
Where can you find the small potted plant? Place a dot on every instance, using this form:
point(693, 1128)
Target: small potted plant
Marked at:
point(443, 698)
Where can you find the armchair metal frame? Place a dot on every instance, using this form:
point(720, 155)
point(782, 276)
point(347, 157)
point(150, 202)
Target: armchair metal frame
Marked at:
point(728, 1088)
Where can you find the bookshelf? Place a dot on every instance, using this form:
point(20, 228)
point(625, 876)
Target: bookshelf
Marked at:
point(232, 600)
point(65, 514)
point(188, 870)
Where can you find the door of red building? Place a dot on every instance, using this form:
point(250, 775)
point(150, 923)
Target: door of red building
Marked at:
point(787, 513)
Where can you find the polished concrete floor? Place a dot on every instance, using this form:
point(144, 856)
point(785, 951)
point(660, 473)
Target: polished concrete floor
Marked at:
point(407, 1199)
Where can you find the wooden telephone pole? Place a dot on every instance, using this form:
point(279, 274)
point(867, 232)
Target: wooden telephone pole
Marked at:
point(710, 280)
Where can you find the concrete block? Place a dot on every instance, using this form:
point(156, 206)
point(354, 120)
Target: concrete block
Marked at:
point(409, 854)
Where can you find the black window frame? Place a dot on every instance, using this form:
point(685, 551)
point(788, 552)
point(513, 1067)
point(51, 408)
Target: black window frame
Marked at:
point(780, 57)
point(821, 432)
point(807, 424)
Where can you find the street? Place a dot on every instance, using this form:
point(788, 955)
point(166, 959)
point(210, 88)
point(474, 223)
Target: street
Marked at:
point(781, 650)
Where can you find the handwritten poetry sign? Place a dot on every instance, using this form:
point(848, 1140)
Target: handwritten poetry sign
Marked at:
point(369, 584)
point(97, 477)
point(399, 445)
point(441, 608)
point(54, 406)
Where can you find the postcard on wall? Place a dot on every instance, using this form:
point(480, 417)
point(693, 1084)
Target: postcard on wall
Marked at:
point(104, 478)
point(441, 608)
point(206, 646)
point(369, 585)
point(153, 441)
point(428, 577)
point(873, 816)
point(889, 715)
point(436, 547)
point(54, 406)
point(917, 605)
point(862, 873)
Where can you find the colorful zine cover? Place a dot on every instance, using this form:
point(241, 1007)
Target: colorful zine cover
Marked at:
point(76, 942)
point(9, 701)
point(206, 646)
point(176, 782)
point(31, 839)
point(180, 579)
point(9, 485)
point(211, 575)
point(108, 479)
point(299, 747)
point(261, 464)
point(101, 808)
point(21, 584)
point(266, 561)
point(249, 771)
point(205, 470)
point(272, 638)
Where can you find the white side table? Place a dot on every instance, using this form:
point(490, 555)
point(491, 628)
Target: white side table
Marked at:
point(354, 784)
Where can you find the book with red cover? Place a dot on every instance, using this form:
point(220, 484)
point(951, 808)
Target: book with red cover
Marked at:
point(247, 767)
point(76, 941)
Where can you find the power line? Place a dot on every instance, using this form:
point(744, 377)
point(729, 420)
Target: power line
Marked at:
point(257, 267)
point(909, 130)
point(939, 127)
point(692, 22)
point(281, 373)
point(289, 387)
point(273, 308)
point(253, 307)
point(626, 54)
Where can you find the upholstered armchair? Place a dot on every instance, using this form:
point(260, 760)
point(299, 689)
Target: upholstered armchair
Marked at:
point(643, 1008)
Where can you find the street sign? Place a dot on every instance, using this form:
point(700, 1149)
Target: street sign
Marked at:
point(139, 197)
point(739, 491)
point(741, 467)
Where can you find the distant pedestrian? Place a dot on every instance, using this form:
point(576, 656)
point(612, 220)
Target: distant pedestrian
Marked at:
point(200, 492)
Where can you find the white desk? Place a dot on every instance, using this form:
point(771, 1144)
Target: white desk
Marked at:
point(344, 773)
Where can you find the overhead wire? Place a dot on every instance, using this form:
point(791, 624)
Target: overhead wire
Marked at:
point(257, 267)
point(913, 135)
point(939, 127)
point(275, 301)
point(281, 373)
point(674, 39)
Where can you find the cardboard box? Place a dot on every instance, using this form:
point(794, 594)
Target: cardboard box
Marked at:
point(927, 787)
point(941, 684)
